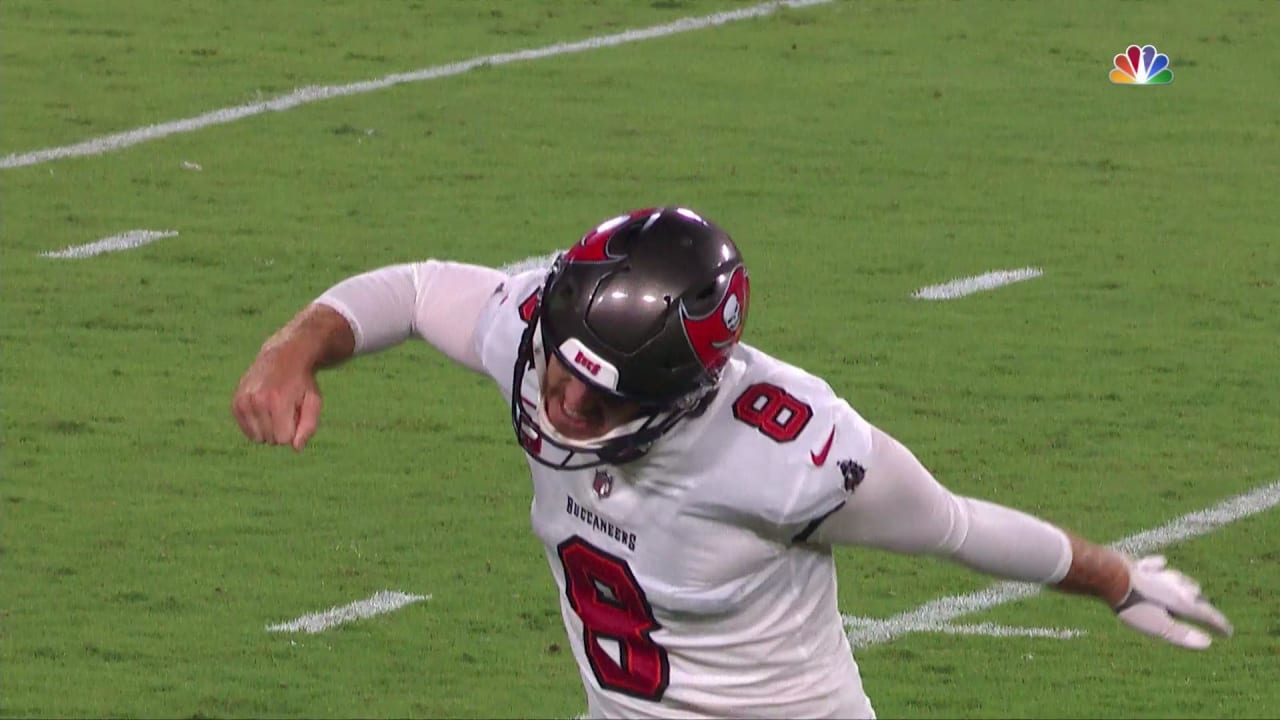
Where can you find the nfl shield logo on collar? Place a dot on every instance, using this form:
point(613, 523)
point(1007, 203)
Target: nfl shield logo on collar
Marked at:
point(602, 484)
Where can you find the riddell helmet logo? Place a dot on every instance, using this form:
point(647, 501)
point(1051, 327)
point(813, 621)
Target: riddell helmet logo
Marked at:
point(586, 362)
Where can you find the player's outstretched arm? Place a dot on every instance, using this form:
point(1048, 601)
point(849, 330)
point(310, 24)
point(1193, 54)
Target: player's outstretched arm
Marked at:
point(899, 506)
point(278, 400)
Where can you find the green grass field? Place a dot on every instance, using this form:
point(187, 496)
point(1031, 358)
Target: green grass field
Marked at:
point(856, 151)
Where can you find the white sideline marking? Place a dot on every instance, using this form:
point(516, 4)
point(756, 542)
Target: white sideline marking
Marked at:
point(381, 602)
point(115, 243)
point(978, 283)
point(933, 615)
point(306, 95)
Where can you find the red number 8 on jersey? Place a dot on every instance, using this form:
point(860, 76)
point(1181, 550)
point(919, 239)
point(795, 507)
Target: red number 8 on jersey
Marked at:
point(776, 413)
point(604, 593)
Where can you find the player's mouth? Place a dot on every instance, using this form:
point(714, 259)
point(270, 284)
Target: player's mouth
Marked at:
point(572, 424)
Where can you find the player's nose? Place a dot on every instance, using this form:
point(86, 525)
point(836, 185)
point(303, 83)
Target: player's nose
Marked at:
point(578, 396)
point(581, 397)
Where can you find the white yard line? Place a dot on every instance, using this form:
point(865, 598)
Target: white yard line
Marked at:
point(978, 283)
point(115, 243)
point(382, 602)
point(993, 630)
point(306, 95)
point(936, 615)
point(989, 629)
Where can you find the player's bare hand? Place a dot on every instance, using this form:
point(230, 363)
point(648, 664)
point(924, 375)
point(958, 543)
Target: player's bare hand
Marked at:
point(1160, 597)
point(278, 401)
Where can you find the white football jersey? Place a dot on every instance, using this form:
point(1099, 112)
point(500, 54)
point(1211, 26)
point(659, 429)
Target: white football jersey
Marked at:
point(686, 583)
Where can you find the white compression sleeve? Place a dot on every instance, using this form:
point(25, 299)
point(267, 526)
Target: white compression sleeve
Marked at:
point(1012, 544)
point(899, 506)
point(439, 302)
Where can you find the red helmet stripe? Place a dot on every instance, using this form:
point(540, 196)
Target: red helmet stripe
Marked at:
point(592, 246)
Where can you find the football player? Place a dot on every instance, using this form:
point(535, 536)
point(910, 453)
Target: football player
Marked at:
point(688, 488)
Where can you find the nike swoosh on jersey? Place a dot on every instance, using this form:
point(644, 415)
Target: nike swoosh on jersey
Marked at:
point(821, 457)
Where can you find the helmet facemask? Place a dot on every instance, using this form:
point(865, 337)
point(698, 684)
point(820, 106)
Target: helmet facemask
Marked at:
point(621, 444)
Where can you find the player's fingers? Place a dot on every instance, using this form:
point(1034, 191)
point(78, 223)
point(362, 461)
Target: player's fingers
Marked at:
point(242, 408)
point(284, 418)
point(1149, 618)
point(1153, 563)
point(261, 413)
point(308, 419)
point(1184, 635)
point(1203, 612)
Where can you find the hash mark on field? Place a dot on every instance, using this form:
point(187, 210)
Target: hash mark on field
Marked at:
point(115, 243)
point(978, 283)
point(382, 602)
point(936, 613)
point(307, 95)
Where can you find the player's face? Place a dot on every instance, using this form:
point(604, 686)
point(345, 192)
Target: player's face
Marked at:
point(579, 411)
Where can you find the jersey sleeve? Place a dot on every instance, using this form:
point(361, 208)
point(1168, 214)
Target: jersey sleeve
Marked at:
point(501, 323)
point(440, 302)
point(798, 451)
point(825, 468)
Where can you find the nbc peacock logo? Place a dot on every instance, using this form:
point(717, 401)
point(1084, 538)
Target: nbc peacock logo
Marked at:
point(1142, 66)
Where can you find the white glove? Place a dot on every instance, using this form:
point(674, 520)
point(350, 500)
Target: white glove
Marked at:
point(1158, 594)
